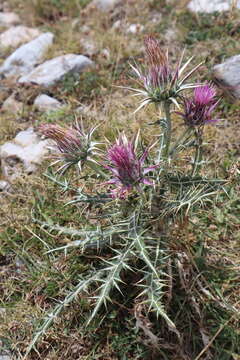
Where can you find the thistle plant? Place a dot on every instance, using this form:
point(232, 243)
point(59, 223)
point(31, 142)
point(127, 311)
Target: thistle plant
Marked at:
point(141, 190)
point(160, 82)
point(197, 112)
point(126, 167)
point(75, 147)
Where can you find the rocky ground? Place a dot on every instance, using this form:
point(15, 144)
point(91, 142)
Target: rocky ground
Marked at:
point(63, 61)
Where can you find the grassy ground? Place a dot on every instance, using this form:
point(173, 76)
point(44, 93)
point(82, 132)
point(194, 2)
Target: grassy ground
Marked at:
point(204, 297)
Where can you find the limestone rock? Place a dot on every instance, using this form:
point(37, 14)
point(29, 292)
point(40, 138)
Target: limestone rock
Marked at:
point(118, 25)
point(207, 6)
point(3, 311)
point(8, 19)
point(134, 29)
point(54, 70)
point(26, 138)
point(23, 60)
point(4, 6)
point(5, 357)
point(23, 154)
point(4, 186)
point(227, 76)
point(46, 103)
point(11, 105)
point(17, 35)
point(105, 5)
point(105, 53)
point(155, 17)
point(85, 29)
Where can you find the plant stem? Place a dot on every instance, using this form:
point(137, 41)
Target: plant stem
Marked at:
point(97, 169)
point(198, 154)
point(167, 130)
point(180, 141)
point(164, 138)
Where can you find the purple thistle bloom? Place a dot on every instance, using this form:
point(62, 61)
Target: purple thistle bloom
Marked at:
point(68, 141)
point(204, 94)
point(126, 167)
point(198, 109)
point(160, 81)
point(154, 54)
point(157, 77)
point(73, 144)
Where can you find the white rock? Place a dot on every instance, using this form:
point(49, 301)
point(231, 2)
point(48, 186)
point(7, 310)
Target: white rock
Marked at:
point(17, 35)
point(135, 28)
point(52, 71)
point(105, 54)
point(3, 311)
point(104, 5)
point(12, 105)
point(117, 25)
point(207, 6)
point(227, 75)
point(121, 26)
point(23, 154)
point(4, 6)
point(23, 60)
point(11, 160)
point(26, 138)
point(8, 19)
point(85, 29)
point(5, 357)
point(46, 103)
point(156, 17)
point(4, 186)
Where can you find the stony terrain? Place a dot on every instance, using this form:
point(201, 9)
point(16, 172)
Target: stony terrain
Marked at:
point(61, 61)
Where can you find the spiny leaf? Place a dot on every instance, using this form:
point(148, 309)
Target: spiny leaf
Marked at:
point(118, 263)
point(81, 286)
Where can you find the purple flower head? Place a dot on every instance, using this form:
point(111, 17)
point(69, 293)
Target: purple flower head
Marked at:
point(68, 140)
point(73, 144)
point(157, 77)
point(204, 95)
point(160, 81)
point(153, 52)
point(197, 111)
point(126, 167)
